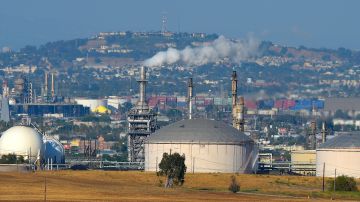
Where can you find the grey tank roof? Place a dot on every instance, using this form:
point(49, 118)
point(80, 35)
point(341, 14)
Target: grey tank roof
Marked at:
point(199, 131)
point(346, 141)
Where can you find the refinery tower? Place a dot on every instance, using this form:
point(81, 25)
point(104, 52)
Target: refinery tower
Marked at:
point(142, 122)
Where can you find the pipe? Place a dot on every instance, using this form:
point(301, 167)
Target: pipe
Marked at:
point(190, 96)
point(52, 85)
point(234, 88)
point(234, 99)
point(142, 91)
point(46, 85)
point(242, 114)
point(324, 132)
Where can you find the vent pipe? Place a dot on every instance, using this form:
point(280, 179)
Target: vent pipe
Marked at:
point(234, 88)
point(190, 96)
point(241, 117)
point(52, 85)
point(323, 132)
point(46, 85)
point(142, 105)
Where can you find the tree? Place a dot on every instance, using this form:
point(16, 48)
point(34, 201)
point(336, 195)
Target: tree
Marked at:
point(234, 185)
point(173, 167)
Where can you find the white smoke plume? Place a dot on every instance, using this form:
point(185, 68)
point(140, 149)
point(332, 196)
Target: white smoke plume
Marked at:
point(222, 47)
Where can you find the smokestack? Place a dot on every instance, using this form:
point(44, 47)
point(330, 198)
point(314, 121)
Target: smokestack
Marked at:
point(313, 135)
point(52, 85)
point(46, 85)
point(234, 88)
point(142, 105)
point(323, 132)
point(234, 98)
point(242, 114)
point(190, 95)
point(5, 87)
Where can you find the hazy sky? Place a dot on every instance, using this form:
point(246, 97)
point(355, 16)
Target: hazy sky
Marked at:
point(313, 23)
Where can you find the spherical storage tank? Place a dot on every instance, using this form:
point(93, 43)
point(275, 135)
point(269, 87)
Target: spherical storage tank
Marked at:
point(22, 140)
point(341, 153)
point(53, 151)
point(208, 146)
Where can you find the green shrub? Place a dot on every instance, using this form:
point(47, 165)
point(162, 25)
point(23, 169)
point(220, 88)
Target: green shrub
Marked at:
point(234, 185)
point(342, 183)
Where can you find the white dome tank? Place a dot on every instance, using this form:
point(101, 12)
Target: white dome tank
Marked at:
point(54, 151)
point(22, 140)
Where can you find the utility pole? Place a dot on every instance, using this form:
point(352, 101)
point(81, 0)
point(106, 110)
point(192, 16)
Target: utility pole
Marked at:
point(335, 181)
point(45, 190)
point(323, 179)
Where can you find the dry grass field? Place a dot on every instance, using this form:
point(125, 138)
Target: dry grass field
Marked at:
point(143, 186)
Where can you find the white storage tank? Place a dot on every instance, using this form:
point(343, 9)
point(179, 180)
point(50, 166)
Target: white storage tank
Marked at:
point(208, 146)
point(341, 153)
point(92, 103)
point(23, 141)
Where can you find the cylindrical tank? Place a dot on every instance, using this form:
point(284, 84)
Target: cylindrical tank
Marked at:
point(208, 146)
point(341, 153)
point(22, 141)
point(92, 103)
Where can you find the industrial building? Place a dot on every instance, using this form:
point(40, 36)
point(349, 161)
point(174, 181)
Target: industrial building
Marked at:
point(208, 146)
point(303, 162)
point(50, 109)
point(342, 154)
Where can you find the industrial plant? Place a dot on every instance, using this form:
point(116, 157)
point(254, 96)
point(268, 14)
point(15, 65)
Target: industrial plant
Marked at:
point(209, 144)
point(36, 148)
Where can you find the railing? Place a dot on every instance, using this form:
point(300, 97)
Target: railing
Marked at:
point(287, 166)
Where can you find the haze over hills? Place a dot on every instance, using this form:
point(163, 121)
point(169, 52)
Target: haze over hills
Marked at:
point(113, 57)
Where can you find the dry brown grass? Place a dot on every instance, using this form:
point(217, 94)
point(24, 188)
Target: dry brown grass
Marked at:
point(143, 186)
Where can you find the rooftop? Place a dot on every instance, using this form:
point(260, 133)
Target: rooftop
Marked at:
point(199, 131)
point(346, 141)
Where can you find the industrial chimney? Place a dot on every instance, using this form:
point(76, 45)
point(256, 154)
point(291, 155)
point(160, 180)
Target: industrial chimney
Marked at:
point(241, 117)
point(52, 85)
point(142, 105)
point(238, 108)
point(234, 88)
point(46, 85)
point(323, 132)
point(190, 96)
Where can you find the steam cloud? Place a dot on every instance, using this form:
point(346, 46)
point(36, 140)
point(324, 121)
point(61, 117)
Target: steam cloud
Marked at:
point(222, 47)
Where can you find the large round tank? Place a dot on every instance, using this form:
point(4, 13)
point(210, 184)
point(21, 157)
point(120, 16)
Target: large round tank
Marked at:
point(92, 103)
point(53, 151)
point(22, 141)
point(208, 146)
point(341, 153)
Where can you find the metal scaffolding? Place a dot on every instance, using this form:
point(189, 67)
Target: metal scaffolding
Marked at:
point(141, 123)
